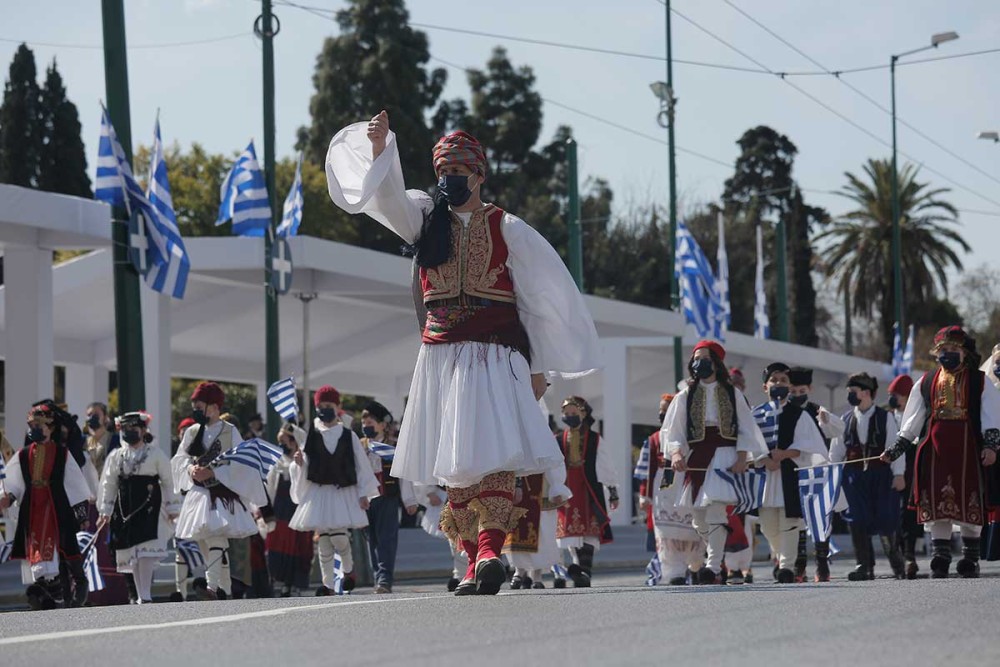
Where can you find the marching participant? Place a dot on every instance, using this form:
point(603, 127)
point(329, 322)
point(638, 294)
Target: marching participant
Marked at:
point(584, 524)
point(137, 498)
point(289, 552)
point(909, 528)
point(217, 500)
point(101, 440)
point(709, 425)
point(872, 488)
point(991, 533)
point(332, 484)
point(794, 440)
point(383, 512)
point(959, 410)
point(501, 311)
point(53, 500)
point(532, 546)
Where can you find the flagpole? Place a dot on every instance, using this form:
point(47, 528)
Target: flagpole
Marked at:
point(128, 322)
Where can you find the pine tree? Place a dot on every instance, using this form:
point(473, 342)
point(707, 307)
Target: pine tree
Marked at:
point(20, 131)
point(62, 163)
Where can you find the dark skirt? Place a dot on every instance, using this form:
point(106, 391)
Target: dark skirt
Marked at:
point(289, 555)
point(872, 502)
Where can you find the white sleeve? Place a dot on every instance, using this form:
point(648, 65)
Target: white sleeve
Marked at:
point(553, 312)
point(108, 492)
point(297, 476)
point(834, 426)
point(77, 489)
point(748, 438)
point(838, 450)
point(898, 466)
point(673, 433)
point(367, 482)
point(90, 476)
point(991, 406)
point(809, 442)
point(606, 473)
point(170, 500)
point(914, 414)
point(555, 477)
point(14, 483)
point(358, 184)
point(407, 494)
point(273, 477)
point(182, 461)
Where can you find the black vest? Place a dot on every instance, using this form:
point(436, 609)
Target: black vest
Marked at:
point(787, 421)
point(326, 468)
point(136, 516)
point(66, 518)
point(390, 485)
point(876, 435)
point(730, 392)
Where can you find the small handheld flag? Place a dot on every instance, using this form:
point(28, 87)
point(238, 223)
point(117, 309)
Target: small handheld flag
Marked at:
point(283, 398)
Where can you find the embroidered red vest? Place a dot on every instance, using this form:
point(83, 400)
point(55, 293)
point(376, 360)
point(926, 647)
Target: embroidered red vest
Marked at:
point(477, 266)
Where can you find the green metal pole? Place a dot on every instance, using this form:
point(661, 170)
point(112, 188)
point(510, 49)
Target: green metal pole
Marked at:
point(271, 343)
point(848, 333)
point(897, 241)
point(128, 327)
point(675, 295)
point(575, 232)
point(781, 240)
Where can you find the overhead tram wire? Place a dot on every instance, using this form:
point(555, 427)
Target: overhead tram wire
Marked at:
point(830, 109)
point(862, 94)
point(163, 45)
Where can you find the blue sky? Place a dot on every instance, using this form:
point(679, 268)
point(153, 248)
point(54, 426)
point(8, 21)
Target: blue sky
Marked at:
point(210, 92)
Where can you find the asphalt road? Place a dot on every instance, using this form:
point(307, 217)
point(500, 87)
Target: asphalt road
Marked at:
point(884, 623)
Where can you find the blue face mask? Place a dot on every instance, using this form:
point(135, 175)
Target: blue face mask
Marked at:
point(455, 188)
point(369, 432)
point(949, 360)
point(996, 370)
point(327, 415)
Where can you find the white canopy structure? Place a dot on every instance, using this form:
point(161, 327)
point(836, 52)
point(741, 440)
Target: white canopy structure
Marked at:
point(363, 335)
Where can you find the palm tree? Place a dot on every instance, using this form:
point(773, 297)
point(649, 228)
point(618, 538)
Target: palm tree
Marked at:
point(861, 253)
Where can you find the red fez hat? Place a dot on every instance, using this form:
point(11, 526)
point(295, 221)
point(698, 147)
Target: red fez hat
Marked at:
point(185, 424)
point(954, 335)
point(326, 394)
point(713, 347)
point(903, 384)
point(210, 393)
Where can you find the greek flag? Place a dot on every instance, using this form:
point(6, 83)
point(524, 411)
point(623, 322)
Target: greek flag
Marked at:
point(697, 285)
point(190, 553)
point(291, 213)
point(3, 470)
point(766, 416)
point(724, 315)
point(338, 575)
point(381, 449)
point(749, 488)
point(162, 258)
point(283, 398)
point(244, 197)
point(761, 322)
point(897, 350)
point(907, 366)
point(641, 471)
point(253, 453)
point(559, 572)
point(94, 579)
point(5, 549)
point(819, 490)
point(654, 572)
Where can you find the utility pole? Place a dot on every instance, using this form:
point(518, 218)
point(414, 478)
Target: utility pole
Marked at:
point(575, 231)
point(264, 27)
point(675, 295)
point(128, 325)
point(306, 299)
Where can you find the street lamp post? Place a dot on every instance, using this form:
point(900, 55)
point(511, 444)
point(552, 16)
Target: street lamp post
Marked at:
point(664, 91)
point(990, 136)
point(897, 251)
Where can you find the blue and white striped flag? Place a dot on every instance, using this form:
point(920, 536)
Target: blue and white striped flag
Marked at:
point(338, 575)
point(641, 471)
point(162, 257)
point(94, 579)
point(190, 553)
point(244, 197)
point(381, 449)
point(559, 572)
point(253, 453)
point(761, 322)
point(697, 284)
point(3, 470)
point(749, 488)
point(291, 213)
point(169, 277)
point(724, 314)
point(5, 549)
point(897, 350)
point(283, 398)
point(819, 490)
point(654, 571)
point(766, 415)
point(906, 362)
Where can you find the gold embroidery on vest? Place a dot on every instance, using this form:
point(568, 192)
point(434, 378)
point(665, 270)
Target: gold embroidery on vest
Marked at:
point(698, 400)
point(726, 410)
point(950, 400)
point(574, 450)
point(467, 270)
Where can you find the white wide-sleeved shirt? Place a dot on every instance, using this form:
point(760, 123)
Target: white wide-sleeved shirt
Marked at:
point(916, 412)
point(673, 434)
point(838, 448)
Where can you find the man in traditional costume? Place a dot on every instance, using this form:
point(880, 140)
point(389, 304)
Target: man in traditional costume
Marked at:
point(218, 498)
point(137, 499)
point(830, 426)
point(709, 425)
point(501, 311)
point(383, 512)
point(872, 488)
point(332, 484)
point(678, 545)
point(53, 501)
point(959, 410)
point(793, 440)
